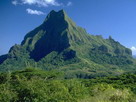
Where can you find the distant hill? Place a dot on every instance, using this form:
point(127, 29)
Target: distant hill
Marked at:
point(58, 43)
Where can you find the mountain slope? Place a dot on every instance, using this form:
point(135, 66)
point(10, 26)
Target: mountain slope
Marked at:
point(58, 43)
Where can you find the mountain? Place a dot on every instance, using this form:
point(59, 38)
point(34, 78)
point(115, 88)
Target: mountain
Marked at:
point(58, 43)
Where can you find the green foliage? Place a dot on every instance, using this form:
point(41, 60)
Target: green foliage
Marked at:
point(102, 56)
point(36, 85)
point(106, 93)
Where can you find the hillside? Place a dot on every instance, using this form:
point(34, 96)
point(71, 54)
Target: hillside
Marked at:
point(58, 43)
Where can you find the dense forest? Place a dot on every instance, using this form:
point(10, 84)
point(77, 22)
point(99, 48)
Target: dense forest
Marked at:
point(36, 85)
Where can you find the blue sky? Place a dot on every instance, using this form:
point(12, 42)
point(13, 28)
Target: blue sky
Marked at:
point(99, 17)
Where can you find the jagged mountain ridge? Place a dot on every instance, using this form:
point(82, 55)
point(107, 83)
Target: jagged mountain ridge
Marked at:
point(59, 43)
point(57, 35)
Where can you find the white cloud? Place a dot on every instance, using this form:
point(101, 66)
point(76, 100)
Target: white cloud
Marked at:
point(133, 50)
point(69, 3)
point(14, 2)
point(34, 12)
point(40, 3)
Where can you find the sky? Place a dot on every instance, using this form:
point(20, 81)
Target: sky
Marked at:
point(116, 18)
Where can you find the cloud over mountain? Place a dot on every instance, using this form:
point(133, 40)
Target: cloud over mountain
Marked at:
point(34, 12)
point(44, 3)
point(133, 50)
point(69, 3)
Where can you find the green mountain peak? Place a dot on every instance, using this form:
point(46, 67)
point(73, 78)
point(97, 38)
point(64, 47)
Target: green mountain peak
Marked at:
point(59, 43)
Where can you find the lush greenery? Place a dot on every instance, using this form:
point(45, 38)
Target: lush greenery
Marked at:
point(35, 85)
